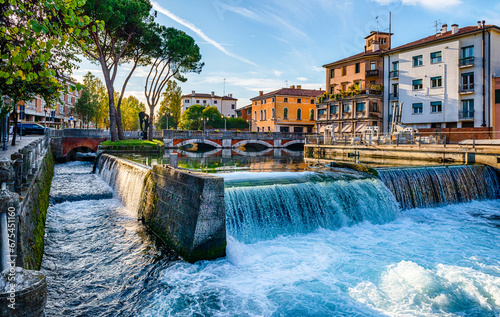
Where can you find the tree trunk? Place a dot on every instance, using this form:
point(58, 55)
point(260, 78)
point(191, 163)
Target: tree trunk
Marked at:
point(119, 124)
point(112, 109)
point(151, 119)
point(14, 133)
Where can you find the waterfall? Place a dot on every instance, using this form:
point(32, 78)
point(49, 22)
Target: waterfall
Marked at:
point(125, 177)
point(439, 186)
point(265, 205)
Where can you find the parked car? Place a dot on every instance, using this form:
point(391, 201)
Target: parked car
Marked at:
point(30, 128)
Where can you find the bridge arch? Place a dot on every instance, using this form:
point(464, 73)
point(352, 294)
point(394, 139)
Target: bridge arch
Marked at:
point(292, 142)
point(245, 142)
point(191, 141)
point(70, 144)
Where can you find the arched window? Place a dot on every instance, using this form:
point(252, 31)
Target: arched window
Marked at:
point(311, 114)
point(265, 115)
point(255, 115)
point(299, 114)
point(261, 116)
point(285, 113)
point(272, 111)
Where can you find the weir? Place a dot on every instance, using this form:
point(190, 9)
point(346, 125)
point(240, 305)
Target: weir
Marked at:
point(439, 186)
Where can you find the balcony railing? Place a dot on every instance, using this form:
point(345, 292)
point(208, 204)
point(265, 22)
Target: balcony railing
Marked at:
point(394, 96)
point(394, 74)
point(372, 73)
point(466, 61)
point(466, 115)
point(467, 88)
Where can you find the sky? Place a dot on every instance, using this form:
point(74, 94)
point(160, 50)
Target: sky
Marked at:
point(253, 45)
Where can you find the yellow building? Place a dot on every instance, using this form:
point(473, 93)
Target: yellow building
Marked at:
point(285, 110)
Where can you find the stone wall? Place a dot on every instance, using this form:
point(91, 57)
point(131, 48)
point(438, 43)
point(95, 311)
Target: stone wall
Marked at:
point(186, 210)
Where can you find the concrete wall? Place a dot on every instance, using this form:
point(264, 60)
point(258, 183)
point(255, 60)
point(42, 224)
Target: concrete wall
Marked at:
point(186, 210)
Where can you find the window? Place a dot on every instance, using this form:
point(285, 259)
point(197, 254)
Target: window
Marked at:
point(357, 68)
point(262, 101)
point(299, 100)
point(497, 95)
point(273, 99)
point(261, 115)
point(360, 106)
point(258, 129)
point(417, 108)
point(204, 101)
point(436, 82)
point(467, 109)
point(285, 113)
point(332, 89)
point(418, 60)
point(436, 57)
point(232, 106)
point(312, 101)
point(344, 71)
point(299, 114)
point(467, 82)
point(285, 99)
point(186, 101)
point(468, 51)
point(311, 114)
point(255, 115)
point(395, 66)
point(334, 109)
point(265, 115)
point(346, 107)
point(332, 73)
point(255, 102)
point(321, 112)
point(357, 85)
point(198, 101)
point(272, 113)
point(374, 106)
point(373, 65)
point(269, 129)
point(417, 84)
point(215, 101)
point(436, 106)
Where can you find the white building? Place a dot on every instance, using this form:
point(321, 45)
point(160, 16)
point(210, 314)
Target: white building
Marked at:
point(227, 104)
point(444, 80)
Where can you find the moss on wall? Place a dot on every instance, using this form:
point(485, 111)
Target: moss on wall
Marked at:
point(37, 203)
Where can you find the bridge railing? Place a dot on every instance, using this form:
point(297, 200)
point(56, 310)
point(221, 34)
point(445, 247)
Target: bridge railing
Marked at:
point(234, 135)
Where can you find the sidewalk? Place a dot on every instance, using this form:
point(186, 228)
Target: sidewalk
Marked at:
point(20, 143)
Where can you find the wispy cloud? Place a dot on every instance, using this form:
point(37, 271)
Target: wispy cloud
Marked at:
point(302, 79)
point(277, 73)
point(431, 4)
point(318, 69)
point(199, 32)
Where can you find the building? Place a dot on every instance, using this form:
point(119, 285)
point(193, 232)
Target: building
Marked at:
point(226, 104)
point(285, 110)
point(354, 88)
point(446, 80)
point(61, 115)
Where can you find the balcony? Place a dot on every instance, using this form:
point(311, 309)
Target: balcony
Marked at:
point(466, 89)
point(394, 96)
point(466, 62)
point(466, 115)
point(372, 73)
point(394, 74)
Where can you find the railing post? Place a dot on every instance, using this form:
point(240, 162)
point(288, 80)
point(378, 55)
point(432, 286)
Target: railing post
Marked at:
point(397, 139)
point(444, 140)
point(474, 141)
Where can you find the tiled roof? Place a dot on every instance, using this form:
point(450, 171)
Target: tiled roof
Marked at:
point(197, 95)
point(356, 56)
point(228, 98)
point(439, 36)
point(292, 92)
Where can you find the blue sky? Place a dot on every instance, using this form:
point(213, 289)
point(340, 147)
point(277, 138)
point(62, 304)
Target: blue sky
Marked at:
point(269, 44)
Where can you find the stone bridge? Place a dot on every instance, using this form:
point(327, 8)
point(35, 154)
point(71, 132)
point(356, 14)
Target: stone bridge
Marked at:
point(66, 142)
point(231, 139)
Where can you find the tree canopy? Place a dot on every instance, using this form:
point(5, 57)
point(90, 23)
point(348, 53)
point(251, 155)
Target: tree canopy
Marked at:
point(170, 105)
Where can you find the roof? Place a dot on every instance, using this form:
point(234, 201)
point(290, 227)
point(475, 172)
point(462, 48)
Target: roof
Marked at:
point(228, 98)
point(356, 56)
point(292, 92)
point(198, 95)
point(439, 37)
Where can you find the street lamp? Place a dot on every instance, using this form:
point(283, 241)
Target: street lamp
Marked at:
point(205, 120)
point(225, 123)
point(45, 110)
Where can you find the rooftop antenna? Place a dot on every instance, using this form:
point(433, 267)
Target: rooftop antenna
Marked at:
point(286, 83)
point(437, 23)
point(224, 91)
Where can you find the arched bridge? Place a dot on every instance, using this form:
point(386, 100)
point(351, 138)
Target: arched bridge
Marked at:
point(230, 139)
point(66, 142)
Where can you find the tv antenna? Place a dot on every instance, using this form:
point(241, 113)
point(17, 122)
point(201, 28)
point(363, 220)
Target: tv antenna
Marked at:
point(436, 25)
point(224, 91)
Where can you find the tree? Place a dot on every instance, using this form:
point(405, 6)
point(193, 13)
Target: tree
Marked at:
point(170, 105)
point(130, 113)
point(126, 24)
point(175, 55)
point(191, 118)
point(213, 117)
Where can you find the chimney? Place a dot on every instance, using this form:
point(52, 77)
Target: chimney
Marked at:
point(299, 87)
point(261, 93)
point(192, 92)
point(213, 93)
point(454, 28)
point(478, 24)
point(292, 87)
point(484, 22)
point(230, 95)
point(375, 46)
point(444, 29)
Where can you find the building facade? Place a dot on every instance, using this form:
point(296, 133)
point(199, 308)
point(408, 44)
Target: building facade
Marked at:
point(445, 81)
point(226, 104)
point(285, 110)
point(354, 89)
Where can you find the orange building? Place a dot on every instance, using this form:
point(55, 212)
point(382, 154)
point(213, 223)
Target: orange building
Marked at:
point(354, 85)
point(285, 110)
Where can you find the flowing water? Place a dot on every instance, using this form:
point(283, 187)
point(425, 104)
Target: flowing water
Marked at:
point(316, 244)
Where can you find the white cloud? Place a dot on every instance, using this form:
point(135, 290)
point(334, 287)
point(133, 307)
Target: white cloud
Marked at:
point(318, 69)
point(198, 31)
point(302, 79)
point(277, 73)
point(431, 4)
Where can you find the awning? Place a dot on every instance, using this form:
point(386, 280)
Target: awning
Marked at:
point(360, 126)
point(346, 127)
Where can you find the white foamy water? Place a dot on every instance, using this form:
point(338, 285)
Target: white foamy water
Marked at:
point(427, 262)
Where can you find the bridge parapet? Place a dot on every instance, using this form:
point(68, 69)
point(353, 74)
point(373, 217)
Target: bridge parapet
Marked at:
point(79, 133)
point(233, 135)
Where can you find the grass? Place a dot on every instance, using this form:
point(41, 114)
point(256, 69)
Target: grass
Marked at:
point(131, 142)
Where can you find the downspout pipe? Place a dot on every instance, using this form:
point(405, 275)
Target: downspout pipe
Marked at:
point(483, 124)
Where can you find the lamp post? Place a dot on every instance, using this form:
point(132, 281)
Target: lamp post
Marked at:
point(45, 110)
point(71, 118)
point(225, 122)
point(167, 115)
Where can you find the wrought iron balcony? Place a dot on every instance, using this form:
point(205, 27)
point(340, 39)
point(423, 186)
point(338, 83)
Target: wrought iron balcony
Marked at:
point(394, 96)
point(466, 115)
point(467, 88)
point(394, 74)
point(466, 61)
point(372, 73)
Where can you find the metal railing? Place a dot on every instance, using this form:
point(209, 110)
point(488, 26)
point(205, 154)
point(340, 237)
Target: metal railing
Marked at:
point(244, 135)
point(466, 61)
point(394, 96)
point(466, 88)
point(466, 115)
point(372, 73)
point(394, 74)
